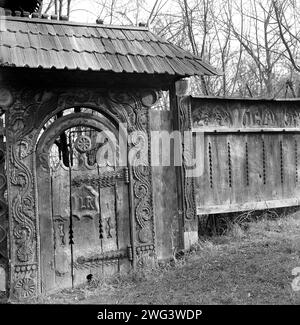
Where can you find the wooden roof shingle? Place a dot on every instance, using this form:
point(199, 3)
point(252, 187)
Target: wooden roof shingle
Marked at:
point(52, 44)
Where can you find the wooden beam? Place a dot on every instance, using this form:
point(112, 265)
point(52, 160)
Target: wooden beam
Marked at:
point(262, 205)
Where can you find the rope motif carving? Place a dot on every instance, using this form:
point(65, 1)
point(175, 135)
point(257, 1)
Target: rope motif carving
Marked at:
point(247, 164)
point(264, 161)
point(210, 166)
point(229, 165)
point(296, 161)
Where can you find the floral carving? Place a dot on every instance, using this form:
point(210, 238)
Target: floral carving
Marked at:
point(25, 288)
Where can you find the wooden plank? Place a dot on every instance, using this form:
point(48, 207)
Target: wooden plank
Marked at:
point(262, 205)
point(60, 190)
point(238, 154)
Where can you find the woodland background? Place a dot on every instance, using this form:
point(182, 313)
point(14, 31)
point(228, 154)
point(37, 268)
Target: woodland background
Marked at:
point(255, 43)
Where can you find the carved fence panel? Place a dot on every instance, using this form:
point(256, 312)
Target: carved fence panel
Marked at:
point(250, 154)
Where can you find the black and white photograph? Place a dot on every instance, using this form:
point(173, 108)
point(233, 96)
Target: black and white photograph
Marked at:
point(149, 157)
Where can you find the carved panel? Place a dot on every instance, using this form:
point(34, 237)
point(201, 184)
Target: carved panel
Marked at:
point(247, 113)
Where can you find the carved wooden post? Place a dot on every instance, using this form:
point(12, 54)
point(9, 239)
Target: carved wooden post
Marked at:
point(3, 218)
point(6, 100)
point(186, 193)
point(23, 221)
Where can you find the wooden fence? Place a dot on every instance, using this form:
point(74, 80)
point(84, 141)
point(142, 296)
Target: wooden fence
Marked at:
point(251, 154)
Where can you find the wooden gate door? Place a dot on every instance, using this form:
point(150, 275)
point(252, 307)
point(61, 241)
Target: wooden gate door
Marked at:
point(90, 211)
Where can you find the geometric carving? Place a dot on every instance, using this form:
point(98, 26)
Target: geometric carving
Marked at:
point(83, 144)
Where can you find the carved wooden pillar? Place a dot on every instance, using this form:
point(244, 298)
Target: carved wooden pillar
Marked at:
point(6, 100)
point(23, 221)
point(133, 109)
point(3, 218)
point(181, 105)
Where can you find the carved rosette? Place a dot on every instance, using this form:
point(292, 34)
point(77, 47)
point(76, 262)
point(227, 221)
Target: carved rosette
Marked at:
point(189, 205)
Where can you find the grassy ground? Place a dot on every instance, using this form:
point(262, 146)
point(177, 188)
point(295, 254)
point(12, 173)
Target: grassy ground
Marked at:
point(249, 265)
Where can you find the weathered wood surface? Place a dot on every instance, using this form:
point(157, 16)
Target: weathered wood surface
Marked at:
point(250, 153)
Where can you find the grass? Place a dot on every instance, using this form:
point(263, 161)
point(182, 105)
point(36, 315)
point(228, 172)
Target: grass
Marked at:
point(251, 263)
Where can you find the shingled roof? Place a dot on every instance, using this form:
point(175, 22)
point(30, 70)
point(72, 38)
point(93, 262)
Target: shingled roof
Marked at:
point(51, 44)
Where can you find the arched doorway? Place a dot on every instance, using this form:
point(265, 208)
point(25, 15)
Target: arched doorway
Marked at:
point(83, 201)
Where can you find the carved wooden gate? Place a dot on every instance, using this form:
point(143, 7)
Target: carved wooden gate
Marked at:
point(31, 227)
point(89, 210)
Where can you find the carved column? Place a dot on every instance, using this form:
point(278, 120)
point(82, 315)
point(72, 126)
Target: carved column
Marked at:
point(133, 109)
point(181, 104)
point(3, 218)
point(23, 221)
